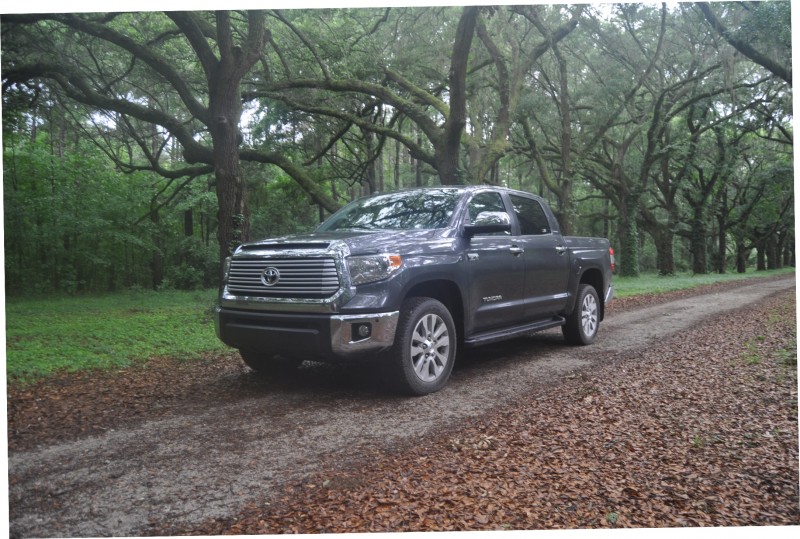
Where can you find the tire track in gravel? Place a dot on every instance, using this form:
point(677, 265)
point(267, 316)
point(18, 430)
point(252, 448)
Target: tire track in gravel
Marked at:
point(214, 457)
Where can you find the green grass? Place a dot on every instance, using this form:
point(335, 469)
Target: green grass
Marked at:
point(652, 283)
point(44, 336)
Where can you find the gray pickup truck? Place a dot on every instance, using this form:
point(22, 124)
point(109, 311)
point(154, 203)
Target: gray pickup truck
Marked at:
point(409, 277)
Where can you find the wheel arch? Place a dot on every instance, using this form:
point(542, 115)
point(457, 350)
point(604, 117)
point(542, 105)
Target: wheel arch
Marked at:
point(594, 278)
point(446, 292)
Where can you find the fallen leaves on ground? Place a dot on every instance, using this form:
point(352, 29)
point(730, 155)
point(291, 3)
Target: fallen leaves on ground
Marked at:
point(691, 432)
point(72, 405)
point(697, 430)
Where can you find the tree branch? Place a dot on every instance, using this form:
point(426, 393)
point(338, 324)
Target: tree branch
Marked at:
point(190, 26)
point(158, 64)
point(744, 47)
point(311, 187)
point(79, 88)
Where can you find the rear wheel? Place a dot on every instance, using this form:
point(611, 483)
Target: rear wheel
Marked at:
point(582, 324)
point(269, 363)
point(425, 347)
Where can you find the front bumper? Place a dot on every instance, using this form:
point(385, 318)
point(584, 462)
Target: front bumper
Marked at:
point(308, 335)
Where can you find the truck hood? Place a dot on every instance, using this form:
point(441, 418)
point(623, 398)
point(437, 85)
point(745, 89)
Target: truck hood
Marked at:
point(404, 242)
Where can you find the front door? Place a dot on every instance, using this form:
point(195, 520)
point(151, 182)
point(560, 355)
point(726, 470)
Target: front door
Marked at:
point(496, 271)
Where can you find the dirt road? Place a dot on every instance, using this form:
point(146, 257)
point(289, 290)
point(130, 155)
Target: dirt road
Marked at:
point(253, 436)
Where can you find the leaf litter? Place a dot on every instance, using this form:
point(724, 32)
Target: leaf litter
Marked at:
point(698, 430)
point(685, 433)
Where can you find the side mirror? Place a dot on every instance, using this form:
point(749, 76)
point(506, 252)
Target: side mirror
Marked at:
point(488, 222)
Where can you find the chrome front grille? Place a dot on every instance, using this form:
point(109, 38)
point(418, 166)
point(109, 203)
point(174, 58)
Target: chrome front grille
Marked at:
point(283, 277)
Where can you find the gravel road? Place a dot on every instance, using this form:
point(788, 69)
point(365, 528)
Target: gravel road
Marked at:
point(218, 454)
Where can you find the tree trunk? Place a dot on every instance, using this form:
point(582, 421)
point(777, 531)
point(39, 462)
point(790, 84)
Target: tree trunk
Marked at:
point(772, 252)
point(397, 157)
point(761, 255)
point(225, 112)
point(157, 260)
point(629, 238)
point(788, 253)
point(698, 239)
point(448, 150)
point(188, 223)
point(665, 258)
point(741, 257)
point(565, 198)
point(722, 236)
point(380, 179)
point(233, 215)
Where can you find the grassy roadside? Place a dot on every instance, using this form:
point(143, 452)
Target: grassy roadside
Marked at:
point(44, 336)
point(653, 283)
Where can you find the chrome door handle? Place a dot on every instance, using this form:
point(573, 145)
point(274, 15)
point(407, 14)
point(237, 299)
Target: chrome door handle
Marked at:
point(560, 249)
point(516, 251)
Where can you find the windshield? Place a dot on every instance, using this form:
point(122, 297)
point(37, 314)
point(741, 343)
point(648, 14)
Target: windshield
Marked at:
point(404, 210)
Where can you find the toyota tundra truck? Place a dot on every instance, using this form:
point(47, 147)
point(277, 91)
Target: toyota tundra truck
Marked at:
point(410, 277)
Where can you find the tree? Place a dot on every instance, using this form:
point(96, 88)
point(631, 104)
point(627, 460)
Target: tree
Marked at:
point(438, 98)
point(626, 123)
point(764, 35)
point(623, 116)
point(132, 64)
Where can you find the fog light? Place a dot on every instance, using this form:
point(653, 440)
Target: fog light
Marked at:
point(360, 331)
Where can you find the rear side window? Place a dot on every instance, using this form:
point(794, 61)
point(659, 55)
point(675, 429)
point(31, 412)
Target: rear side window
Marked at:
point(532, 219)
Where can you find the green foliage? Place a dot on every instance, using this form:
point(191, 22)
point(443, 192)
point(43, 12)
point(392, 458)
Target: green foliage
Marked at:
point(618, 123)
point(67, 220)
point(73, 223)
point(751, 354)
point(279, 207)
point(788, 356)
point(71, 334)
point(768, 28)
point(196, 266)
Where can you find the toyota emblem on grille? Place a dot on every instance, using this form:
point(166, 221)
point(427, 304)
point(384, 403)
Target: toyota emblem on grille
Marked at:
point(270, 276)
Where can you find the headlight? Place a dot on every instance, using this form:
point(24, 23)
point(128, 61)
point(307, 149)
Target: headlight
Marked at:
point(368, 269)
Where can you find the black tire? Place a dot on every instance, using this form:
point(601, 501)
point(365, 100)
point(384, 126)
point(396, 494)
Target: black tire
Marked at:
point(584, 321)
point(422, 358)
point(269, 363)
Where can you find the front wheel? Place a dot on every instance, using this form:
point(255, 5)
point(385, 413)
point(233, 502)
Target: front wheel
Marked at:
point(424, 352)
point(583, 322)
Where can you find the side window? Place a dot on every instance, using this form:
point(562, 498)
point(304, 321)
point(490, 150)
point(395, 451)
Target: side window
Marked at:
point(486, 202)
point(531, 216)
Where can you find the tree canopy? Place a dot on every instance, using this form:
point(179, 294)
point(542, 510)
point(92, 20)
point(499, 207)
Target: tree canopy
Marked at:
point(667, 128)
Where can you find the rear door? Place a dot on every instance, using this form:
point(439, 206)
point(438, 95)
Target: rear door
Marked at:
point(546, 259)
point(495, 269)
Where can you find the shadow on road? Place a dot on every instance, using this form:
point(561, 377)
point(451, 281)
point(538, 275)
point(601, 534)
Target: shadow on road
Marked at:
point(366, 378)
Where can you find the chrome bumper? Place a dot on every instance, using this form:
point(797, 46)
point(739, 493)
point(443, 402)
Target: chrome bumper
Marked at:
point(378, 334)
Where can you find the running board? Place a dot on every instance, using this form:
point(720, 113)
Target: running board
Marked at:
point(515, 331)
